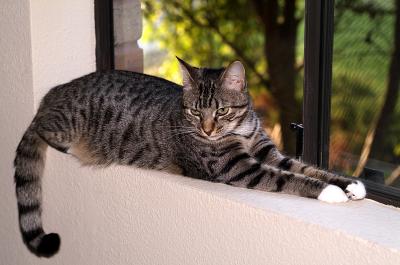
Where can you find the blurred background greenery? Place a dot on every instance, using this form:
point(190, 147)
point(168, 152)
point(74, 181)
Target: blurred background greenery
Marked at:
point(268, 37)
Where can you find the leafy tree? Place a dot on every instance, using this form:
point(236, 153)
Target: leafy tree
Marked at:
point(267, 36)
point(387, 113)
point(262, 34)
point(367, 54)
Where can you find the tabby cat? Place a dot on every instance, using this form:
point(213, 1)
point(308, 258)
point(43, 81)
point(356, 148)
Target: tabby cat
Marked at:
point(205, 129)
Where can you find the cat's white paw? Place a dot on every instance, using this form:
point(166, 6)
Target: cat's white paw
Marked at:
point(356, 191)
point(333, 194)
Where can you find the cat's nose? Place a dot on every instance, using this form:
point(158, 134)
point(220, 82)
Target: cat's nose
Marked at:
point(208, 132)
point(208, 127)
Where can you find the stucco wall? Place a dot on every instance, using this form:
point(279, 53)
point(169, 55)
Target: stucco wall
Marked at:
point(63, 42)
point(122, 215)
point(16, 107)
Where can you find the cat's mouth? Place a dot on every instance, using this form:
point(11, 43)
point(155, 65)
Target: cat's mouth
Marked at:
point(213, 136)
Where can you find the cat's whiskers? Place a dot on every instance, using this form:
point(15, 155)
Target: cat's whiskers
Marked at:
point(177, 127)
point(180, 133)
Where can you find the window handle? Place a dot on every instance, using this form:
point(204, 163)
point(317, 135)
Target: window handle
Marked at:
point(298, 129)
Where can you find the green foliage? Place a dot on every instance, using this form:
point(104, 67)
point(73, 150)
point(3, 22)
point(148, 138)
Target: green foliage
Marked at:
point(210, 33)
point(183, 29)
point(363, 42)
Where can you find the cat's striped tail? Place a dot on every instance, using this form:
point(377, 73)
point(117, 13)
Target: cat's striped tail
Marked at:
point(29, 164)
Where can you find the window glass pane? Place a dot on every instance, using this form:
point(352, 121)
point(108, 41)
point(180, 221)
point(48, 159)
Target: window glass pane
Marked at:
point(268, 40)
point(365, 117)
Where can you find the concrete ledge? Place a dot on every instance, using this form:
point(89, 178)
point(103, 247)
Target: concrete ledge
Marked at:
point(123, 215)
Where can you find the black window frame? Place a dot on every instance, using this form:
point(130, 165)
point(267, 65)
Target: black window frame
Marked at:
point(104, 30)
point(318, 51)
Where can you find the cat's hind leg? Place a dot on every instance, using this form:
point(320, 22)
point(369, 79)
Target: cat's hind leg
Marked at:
point(55, 133)
point(54, 140)
point(66, 140)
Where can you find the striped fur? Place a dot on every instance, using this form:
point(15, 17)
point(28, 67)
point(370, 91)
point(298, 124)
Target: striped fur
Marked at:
point(29, 165)
point(206, 129)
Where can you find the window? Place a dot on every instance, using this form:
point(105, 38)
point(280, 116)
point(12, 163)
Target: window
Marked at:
point(358, 136)
point(286, 46)
point(214, 33)
point(103, 12)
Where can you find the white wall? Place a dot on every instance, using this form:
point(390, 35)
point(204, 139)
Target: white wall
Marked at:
point(63, 42)
point(125, 216)
point(42, 43)
point(16, 107)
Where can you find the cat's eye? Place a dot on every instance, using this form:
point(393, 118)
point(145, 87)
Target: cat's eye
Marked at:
point(222, 111)
point(194, 112)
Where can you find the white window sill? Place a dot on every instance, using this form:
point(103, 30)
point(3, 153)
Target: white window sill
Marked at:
point(132, 216)
point(366, 219)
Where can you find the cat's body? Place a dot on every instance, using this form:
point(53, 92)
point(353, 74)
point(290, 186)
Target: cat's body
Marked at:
point(206, 129)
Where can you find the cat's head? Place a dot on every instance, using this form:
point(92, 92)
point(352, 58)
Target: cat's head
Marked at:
point(215, 101)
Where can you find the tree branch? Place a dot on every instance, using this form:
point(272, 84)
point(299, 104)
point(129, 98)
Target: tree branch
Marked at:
point(374, 141)
point(393, 176)
point(267, 11)
point(299, 66)
point(392, 92)
point(366, 150)
point(290, 22)
point(213, 26)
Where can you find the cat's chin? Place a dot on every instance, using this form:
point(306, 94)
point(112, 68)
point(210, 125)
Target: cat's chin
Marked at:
point(212, 137)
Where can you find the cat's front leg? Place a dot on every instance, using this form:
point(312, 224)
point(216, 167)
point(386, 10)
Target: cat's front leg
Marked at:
point(266, 152)
point(242, 170)
point(354, 189)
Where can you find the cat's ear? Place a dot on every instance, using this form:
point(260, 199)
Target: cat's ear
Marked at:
point(234, 77)
point(188, 74)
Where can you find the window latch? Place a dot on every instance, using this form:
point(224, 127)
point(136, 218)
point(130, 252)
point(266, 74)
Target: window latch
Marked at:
point(298, 129)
